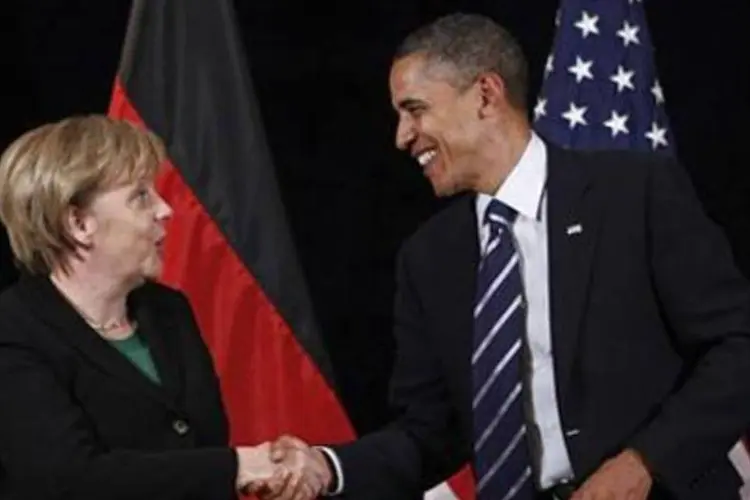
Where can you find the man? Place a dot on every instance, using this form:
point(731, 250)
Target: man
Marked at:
point(574, 326)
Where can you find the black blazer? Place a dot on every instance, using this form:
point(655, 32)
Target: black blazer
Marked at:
point(650, 333)
point(79, 421)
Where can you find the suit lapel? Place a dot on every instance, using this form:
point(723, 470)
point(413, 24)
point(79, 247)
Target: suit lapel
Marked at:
point(572, 225)
point(71, 328)
point(459, 255)
point(154, 328)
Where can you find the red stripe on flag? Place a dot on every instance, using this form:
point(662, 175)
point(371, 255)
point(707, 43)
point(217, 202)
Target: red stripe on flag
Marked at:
point(270, 385)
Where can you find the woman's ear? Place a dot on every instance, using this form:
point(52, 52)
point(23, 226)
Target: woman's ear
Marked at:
point(80, 225)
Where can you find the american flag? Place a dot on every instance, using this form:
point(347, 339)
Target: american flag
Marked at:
point(601, 91)
point(600, 86)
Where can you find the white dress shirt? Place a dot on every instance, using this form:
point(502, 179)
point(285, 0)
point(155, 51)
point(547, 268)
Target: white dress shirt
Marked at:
point(524, 190)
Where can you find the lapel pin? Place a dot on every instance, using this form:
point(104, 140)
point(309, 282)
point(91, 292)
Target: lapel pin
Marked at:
point(574, 229)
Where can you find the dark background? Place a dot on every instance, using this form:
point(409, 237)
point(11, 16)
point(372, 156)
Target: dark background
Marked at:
point(321, 74)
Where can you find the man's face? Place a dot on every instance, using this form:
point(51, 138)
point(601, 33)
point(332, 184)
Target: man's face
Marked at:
point(438, 124)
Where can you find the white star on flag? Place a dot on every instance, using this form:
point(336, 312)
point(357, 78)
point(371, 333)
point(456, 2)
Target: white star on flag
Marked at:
point(617, 124)
point(587, 24)
point(604, 90)
point(574, 115)
point(549, 66)
point(658, 92)
point(540, 109)
point(629, 34)
point(582, 69)
point(656, 135)
point(623, 79)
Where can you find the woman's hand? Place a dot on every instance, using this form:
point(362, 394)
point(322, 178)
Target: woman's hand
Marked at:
point(256, 472)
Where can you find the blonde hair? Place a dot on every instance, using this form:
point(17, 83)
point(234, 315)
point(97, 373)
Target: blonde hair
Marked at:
point(61, 165)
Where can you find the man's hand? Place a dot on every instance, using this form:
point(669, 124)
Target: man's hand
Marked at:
point(624, 477)
point(309, 475)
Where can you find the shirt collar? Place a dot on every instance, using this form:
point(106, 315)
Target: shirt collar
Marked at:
point(524, 187)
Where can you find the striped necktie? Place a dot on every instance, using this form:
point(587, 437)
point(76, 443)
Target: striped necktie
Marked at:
point(502, 464)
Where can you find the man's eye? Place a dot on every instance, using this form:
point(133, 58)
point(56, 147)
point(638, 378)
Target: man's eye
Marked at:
point(416, 111)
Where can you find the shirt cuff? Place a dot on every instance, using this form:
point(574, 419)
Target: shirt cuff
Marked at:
point(337, 471)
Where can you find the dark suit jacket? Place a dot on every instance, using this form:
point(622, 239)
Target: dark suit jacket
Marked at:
point(79, 421)
point(650, 334)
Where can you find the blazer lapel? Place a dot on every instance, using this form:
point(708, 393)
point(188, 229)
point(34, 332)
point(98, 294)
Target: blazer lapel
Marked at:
point(71, 328)
point(458, 259)
point(154, 328)
point(572, 224)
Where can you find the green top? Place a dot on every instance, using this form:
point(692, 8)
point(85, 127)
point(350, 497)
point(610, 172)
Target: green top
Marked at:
point(138, 353)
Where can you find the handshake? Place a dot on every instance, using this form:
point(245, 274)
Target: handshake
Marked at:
point(285, 469)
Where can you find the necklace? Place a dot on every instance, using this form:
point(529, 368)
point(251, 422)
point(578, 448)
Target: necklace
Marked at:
point(115, 329)
point(115, 324)
point(121, 324)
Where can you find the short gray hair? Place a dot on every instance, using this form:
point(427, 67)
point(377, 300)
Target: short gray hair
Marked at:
point(64, 164)
point(472, 44)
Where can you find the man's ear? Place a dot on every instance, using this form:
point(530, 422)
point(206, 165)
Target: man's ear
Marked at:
point(491, 92)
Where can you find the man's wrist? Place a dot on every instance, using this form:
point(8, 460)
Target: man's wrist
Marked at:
point(336, 485)
point(637, 457)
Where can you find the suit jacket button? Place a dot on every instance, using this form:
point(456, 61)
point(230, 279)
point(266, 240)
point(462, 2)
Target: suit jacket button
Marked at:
point(180, 427)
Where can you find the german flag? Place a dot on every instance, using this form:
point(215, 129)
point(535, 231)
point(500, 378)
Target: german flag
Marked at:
point(183, 74)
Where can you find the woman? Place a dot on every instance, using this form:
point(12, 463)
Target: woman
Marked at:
point(106, 388)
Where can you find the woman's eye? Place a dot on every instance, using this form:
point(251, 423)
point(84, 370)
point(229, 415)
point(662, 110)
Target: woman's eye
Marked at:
point(142, 195)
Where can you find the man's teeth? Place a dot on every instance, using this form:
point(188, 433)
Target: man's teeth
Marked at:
point(426, 157)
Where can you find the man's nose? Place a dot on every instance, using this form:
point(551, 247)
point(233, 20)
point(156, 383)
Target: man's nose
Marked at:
point(404, 134)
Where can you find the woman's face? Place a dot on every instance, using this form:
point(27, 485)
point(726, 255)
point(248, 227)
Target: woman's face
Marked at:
point(125, 229)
